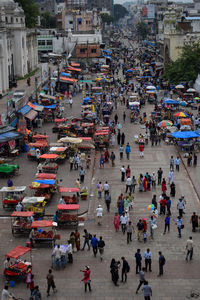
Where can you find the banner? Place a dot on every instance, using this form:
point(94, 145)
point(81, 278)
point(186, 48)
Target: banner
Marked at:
point(22, 126)
point(12, 144)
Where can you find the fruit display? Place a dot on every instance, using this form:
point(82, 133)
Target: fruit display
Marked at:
point(70, 200)
point(68, 218)
point(44, 235)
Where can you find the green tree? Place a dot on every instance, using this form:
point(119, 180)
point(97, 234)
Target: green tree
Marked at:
point(186, 67)
point(106, 18)
point(119, 12)
point(48, 21)
point(31, 12)
point(142, 30)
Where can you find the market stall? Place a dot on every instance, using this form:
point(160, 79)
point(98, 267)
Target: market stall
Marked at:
point(68, 215)
point(44, 188)
point(69, 195)
point(17, 270)
point(42, 236)
point(60, 151)
point(50, 165)
point(21, 222)
point(35, 205)
point(11, 196)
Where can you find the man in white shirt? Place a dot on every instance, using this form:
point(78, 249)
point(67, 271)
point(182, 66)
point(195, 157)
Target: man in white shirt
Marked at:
point(123, 221)
point(99, 213)
point(189, 248)
point(123, 173)
point(61, 201)
point(70, 102)
point(180, 207)
point(5, 294)
point(128, 184)
point(148, 257)
point(58, 257)
point(106, 187)
point(19, 207)
point(6, 263)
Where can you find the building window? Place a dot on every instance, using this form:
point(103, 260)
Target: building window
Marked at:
point(49, 42)
point(79, 22)
point(83, 50)
point(70, 22)
point(94, 50)
point(6, 19)
point(17, 20)
point(41, 43)
point(11, 19)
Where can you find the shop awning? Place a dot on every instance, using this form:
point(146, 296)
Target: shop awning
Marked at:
point(11, 135)
point(66, 79)
point(45, 181)
point(14, 123)
point(24, 110)
point(74, 69)
point(68, 207)
point(31, 115)
point(35, 107)
point(46, 176)
point(42, 223)
point(185, 134)
point(22, 214)
point(68, 190)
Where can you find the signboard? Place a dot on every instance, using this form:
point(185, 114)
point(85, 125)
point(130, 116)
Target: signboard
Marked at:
point(12, 144)
point(22, 126)
point(151, 11)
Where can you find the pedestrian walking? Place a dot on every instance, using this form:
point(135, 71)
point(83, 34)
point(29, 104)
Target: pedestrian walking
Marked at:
point(123, 221)
point(194, 160)
point(180, 206)
point(140, 227)
point(189, 248)
point(123, 173)
point(161, 262)
point(119, 138)
point(147, 290)
point(180, 226)
point(101, 245)
point(194, 221)
point(50, 282)
point(115, 272)
point(116, 118)
point(99, 189)
point(86, 278)
point(124, 116)
point(101, 161)
point(141, 149)
point(172, 189)
point(108, 201)
point(121, 152)
point(153, 180)
point(116, 221)
point(171, 163)
point(128, 172)
point(148, 258)
point(36, 295)
point(106, 187)
point(82, 175)
point(167, 223)
point(94, 244)
point(99, 214)
point(164, 186)
point(71, 161)
point(170, 177)
point(128, 150)
point(159, 173)
point(177, 163)
point(129, 230)
point(125, 269)
point(86, 240)
point(163, 204)
point(112, 158)
point(128, 184)
point(152, 226)
point(142, 279)
point(123, 138)
point(133, 184)
point(138, 261)
point(154, 202)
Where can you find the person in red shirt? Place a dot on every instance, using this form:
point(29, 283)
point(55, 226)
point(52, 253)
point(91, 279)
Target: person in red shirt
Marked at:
point(86, 278)
point(128, 172)
point(163, 204)
point(32, 285)
point(141, 149)
point(163, 185)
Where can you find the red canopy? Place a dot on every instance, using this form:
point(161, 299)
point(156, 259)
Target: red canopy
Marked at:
point(18, 251)
point(87, 124)
point(42, 223)
point(67, 79)
point(74, 69)
point(68, 190)
point(60, 120)
point(49, 156)
point(40, 136)
point(73, 64)
point(41, 186)
point(39, 144)
point(68, 207)
point(105, 132)
point(22, 213)
point(84, 138)
point(46, 176)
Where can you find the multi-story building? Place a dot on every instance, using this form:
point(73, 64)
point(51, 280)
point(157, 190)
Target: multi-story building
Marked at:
point(18, 47)
point(101, 5)
point(47, 5)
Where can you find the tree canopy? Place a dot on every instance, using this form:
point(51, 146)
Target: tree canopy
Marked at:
point(31, 12)
point(119, 12)
point(142, 30)
point(48, 21)
point(185, 68)
point(106, 18)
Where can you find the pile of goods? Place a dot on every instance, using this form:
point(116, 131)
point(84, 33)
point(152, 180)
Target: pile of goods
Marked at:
point(70, 200)
point(44, 235)
point(69, 218)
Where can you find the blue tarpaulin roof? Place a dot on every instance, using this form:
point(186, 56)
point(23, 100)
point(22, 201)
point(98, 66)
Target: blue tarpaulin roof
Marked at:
point(65, 74)
point(108, 51)
point(170, 101)
point(97, 94)
point(11, 135)
point(46, 181)
point(109, 57)
point(14, 123)
point(53, 106)
point(185, 134)
point(24, 110)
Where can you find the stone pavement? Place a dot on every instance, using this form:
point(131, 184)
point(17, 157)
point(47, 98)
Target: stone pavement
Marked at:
point(179, 277)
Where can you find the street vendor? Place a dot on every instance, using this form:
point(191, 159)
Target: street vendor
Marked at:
point(7, 263)
point(31, 236)
point(55, 217)
point(9, 183)
point(61, 201)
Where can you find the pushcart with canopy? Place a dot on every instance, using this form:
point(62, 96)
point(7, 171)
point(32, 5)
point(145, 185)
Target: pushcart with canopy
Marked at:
point(50, 165)
point(42, 236)
point(35, 205)
point(69, 195)
point(68, 215)
point(44, 188)
point(18, 269)
point(21, 222)
point(11, 196)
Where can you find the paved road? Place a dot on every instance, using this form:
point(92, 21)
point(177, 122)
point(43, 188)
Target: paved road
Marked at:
point(179, 277)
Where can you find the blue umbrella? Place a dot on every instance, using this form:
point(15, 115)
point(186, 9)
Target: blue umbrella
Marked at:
point(183, 103)
point(86, 99)
point(129, 71)
point(65, 74)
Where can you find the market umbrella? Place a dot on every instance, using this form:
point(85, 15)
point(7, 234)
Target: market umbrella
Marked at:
point(181, 114)
point(180, 86)
point(129, 71)
point(197, 98)
point(183, 103)
point(190, 90)
point(165, 123)
point(151, 87)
